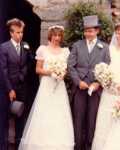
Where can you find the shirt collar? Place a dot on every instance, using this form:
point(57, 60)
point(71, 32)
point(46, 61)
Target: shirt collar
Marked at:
point(93, 41)
point(14, 42)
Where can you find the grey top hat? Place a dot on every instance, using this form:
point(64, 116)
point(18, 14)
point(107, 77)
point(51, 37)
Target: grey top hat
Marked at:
point(90, 21)
point(17, 107)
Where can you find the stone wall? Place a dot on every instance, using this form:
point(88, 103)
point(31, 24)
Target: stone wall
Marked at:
point(115, 10)
point(51, 12)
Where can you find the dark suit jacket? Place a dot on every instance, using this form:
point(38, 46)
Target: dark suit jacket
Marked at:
point(3, 92)
point(4, 103)
point(81, 64)
point(14, 66)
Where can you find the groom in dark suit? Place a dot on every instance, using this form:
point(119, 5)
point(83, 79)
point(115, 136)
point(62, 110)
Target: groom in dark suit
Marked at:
point(15, 55)
point(85, 54)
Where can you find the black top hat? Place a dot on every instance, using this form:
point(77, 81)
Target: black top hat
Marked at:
point(90, 21)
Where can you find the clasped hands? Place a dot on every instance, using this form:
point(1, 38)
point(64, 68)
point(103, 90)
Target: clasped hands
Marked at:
point(94, 86)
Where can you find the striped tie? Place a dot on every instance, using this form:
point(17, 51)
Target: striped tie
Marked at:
point(18, 49)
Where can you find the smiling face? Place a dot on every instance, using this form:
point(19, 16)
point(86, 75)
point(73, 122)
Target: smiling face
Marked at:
point(91, 33)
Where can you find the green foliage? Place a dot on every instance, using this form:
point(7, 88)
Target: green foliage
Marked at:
point(74, 18)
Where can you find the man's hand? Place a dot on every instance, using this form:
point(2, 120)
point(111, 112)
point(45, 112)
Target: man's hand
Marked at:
point(95, 86)
point(83, 85)
point(12, 95)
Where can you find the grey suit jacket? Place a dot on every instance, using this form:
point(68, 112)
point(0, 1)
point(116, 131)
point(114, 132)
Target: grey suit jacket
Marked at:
point(14, 66)
point(81, 64)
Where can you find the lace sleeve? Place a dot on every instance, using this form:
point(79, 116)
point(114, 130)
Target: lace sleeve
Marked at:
point(40, 53)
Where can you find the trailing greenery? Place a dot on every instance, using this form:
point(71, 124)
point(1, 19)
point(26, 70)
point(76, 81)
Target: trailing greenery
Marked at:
point(74, 18)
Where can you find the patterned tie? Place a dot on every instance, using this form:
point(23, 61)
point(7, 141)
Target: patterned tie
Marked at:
point(18, 49)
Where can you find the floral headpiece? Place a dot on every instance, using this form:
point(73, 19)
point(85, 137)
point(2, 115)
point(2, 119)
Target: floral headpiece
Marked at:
point(56, 26)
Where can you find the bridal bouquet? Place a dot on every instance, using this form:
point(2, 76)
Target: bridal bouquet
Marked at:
point(103, 74)
point(58, 66)
point(116, 110)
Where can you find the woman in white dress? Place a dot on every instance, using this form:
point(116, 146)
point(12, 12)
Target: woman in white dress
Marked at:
point(49, 126)
point(107, 133)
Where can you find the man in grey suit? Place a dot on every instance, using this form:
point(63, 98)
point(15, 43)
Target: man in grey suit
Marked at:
point(85, 54)
point(15, 55)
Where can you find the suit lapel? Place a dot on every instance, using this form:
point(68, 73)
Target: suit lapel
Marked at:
point(84, 51)
point(13, 51)
point(22, 51)
point(95, 52)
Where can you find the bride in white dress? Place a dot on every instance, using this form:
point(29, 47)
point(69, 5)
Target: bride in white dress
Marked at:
point(49, 126)
point(107, 133)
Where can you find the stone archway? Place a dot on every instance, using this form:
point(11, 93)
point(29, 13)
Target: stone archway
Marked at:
point(52, 12)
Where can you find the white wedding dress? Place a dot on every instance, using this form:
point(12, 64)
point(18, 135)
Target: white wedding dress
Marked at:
point(49, 126)
point(107, 132)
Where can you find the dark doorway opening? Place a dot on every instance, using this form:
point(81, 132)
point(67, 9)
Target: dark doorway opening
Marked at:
point(23, 10)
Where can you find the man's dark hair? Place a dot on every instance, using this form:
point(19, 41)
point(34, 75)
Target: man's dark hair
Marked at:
point(14, 22)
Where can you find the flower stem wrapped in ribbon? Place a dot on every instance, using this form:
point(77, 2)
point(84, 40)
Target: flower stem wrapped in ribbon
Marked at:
point(58, 68)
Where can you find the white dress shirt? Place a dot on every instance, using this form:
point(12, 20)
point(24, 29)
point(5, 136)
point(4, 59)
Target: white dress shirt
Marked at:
point(91, 44)
point(16, 45)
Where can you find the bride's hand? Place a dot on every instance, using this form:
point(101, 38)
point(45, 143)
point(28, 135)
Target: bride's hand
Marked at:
point(54, 75)
point(60, 77)
point(57, 77)
point(48, 72)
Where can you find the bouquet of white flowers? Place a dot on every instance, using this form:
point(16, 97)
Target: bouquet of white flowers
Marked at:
point(109, 81)
point(103, 74)
point(116, 110)
point(58, 68)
